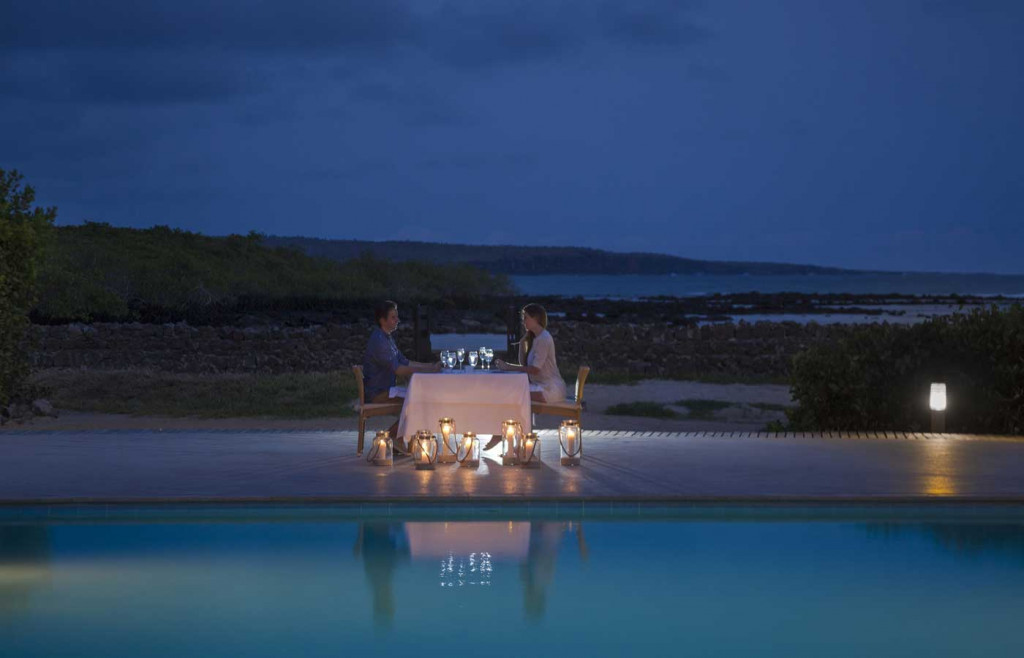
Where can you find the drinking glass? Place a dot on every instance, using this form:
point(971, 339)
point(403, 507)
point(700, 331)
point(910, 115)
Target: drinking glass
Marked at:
point(473, 356)
point(488, 357)
point(451, 359)
point(462, 356)
point(444, 359)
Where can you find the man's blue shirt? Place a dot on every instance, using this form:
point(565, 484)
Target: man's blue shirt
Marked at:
point(381, 360)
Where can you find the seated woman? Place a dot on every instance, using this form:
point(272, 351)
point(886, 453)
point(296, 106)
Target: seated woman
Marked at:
point(383, 363)
point(537, 356)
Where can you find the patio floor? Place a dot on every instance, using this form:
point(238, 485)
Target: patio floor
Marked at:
point(221, 466)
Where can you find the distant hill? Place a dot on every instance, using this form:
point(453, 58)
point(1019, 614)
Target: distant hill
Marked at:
point(536, 260)
point(97, 271)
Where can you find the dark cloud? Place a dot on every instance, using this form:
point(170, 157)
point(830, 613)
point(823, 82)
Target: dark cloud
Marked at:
point(301, 25)
point(112, 51)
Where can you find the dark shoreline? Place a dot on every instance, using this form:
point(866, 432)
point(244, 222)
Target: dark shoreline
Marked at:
point(489, 314)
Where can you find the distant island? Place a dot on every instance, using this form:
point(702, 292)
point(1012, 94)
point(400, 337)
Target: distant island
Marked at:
point(521, 260)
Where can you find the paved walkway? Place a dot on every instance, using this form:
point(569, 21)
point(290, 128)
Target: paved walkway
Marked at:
point(143, 466)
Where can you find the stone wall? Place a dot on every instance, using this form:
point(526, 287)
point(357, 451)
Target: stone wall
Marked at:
point(640, 349)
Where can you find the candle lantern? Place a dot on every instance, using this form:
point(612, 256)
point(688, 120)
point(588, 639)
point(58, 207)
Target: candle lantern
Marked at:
point(511, 435)
point(424, 450)
point(449, 444)
point(469, 450)
point(570, 441)
point(529, 451)
point(382, 452)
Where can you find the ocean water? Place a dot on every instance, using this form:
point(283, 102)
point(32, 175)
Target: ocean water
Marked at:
point(305, 582)
point(632, 286)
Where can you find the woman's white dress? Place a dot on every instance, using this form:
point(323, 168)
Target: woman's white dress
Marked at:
point(542, 356)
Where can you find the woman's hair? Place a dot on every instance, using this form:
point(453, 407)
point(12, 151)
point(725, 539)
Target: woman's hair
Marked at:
point(537, 312)
point(381, 310)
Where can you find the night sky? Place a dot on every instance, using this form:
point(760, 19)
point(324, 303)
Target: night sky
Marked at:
point(882, 134)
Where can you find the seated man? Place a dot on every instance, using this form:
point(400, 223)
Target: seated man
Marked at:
point(383, 363)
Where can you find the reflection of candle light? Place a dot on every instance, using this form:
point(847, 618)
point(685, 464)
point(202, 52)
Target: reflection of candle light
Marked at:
point(570, 441)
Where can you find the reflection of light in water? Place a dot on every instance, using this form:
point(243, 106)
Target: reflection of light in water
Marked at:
point(498, 539)
point(463, 571)
point(940, 467)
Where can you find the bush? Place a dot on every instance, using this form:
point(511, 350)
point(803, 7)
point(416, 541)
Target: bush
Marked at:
point(877, 377)
point(22, 232)
point(96, 272)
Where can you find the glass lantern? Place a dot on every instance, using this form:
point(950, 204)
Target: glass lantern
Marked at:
point(424, 450)
point(382, 452)
point(570, 442)
point(529, 451)
point(469, 450)
point(511, 435)
point(449, 444)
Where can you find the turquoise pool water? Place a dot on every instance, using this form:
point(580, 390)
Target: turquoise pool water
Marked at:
point(326, 581)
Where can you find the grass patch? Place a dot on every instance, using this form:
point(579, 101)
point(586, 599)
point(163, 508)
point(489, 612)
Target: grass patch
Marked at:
point(648, 409)
point(703, 409)
point(146, 393)
point(768, 406)
point(621, 378)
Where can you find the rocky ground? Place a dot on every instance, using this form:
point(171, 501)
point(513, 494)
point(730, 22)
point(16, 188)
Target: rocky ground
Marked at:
point(738, 416)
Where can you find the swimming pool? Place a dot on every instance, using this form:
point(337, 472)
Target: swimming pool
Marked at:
point(326, 580)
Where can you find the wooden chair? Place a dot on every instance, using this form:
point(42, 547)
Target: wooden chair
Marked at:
point(572, 407)
point(369, 410)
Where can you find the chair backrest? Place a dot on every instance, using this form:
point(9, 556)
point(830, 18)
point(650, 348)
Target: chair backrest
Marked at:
point(581, 379)
point(358, 372)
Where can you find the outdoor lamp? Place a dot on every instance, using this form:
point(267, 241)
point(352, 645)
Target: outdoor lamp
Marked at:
point(570, 441)
point(382, 452)
point(449, 444)
point(511, 431)
point(424, 450)
point(937, 402)
point(529, 451)
point(469, 450)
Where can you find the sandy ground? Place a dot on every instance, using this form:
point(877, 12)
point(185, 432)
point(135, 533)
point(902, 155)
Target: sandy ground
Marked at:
point(738, 418)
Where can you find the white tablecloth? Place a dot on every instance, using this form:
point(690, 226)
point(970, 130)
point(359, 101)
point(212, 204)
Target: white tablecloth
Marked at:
point(477, 401)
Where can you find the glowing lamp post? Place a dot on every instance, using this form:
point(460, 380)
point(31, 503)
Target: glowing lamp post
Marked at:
point(529, 451)
point(937, 402)
point(424, 450)
point(449, 446)
point(570, 442)
point(382, 452)
point(469, 450)
point(511, 433)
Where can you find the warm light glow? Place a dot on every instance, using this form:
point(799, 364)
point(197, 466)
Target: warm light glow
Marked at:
point(937, 400)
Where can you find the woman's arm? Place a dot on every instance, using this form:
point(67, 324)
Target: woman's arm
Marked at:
point(511, 367)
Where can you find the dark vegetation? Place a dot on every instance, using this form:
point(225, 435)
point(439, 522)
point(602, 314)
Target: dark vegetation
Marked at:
point(877, 377)
point(96, 272)
point(23, 231)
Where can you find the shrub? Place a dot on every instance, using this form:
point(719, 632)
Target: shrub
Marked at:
point(96, 272)
point(877, 377)
point(22, 232)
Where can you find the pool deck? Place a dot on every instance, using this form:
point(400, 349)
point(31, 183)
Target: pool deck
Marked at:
point(127, 466)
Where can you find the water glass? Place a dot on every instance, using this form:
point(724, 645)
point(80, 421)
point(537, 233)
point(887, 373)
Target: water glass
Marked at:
point(451, 359)
point(473, 356)
point(444, 358)
point(488, 357)
point(462, 356)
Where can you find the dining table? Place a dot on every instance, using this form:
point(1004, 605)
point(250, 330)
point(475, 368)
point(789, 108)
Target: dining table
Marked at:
point(478, 400)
